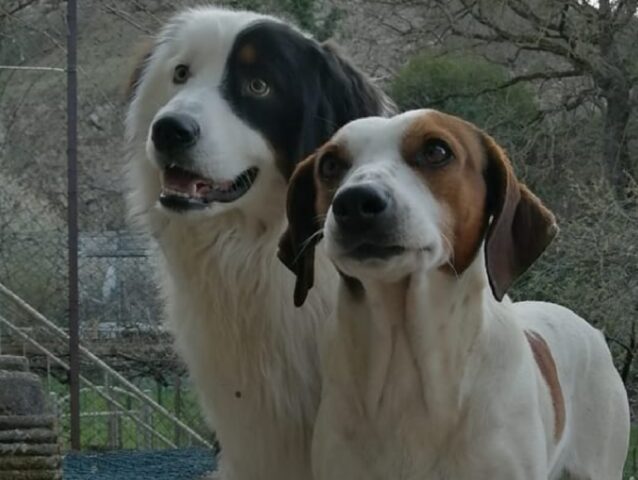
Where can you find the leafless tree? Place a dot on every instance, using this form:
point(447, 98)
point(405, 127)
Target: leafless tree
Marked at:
point(580, 39)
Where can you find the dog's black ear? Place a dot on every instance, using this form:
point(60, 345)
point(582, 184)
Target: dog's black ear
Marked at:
point(141, 57)
point(338, 94)
point(521, 228)
point(355, 95)
point(297, 244)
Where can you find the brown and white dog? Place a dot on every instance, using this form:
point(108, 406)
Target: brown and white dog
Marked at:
point(429, 374)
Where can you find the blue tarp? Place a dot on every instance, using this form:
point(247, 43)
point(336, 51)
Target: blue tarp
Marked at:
point(181, 464)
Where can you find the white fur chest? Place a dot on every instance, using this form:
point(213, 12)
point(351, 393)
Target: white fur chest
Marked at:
point(400, 398)
point(374, 425)
point(253, 355)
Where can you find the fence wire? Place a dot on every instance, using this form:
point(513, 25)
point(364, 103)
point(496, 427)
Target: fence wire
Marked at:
point(119, 309)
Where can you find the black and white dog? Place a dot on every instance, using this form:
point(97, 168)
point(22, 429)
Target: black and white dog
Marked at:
point(223, 108)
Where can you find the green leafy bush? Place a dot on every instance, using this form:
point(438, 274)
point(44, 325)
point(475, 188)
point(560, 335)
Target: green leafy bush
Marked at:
point(470, 87)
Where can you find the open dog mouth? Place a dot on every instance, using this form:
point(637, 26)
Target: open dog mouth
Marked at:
point(184, 190)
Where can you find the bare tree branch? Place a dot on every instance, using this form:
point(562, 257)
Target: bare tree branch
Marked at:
point(625, 11)
point(538, 40)
point(523, 10)
point(124, 16)
point(510, 83)
point(20, 6)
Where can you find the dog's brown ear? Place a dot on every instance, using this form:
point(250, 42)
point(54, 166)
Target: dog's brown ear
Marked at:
point(521, 228)
point(297, 244)
point(141, 55)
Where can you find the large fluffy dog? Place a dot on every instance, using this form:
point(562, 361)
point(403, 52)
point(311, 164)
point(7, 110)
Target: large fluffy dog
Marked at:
point(223, 107)
point(427, 375)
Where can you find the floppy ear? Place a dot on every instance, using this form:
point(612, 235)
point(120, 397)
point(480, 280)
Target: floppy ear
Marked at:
point(359, 95)
point(522, 227)
point(337, 94)
point(297, 244)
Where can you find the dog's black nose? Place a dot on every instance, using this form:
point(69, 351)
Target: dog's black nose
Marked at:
point(361, 207)
point(174, 133)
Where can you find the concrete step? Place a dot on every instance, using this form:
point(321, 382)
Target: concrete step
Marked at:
point(21, 393)
point(12, 422)
point(30, 435)
point(14, 463)
point(14, 363)
point(29, 449)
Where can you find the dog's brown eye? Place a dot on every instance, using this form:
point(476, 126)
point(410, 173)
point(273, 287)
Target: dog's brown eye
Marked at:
point(181, 74)
point(435, 153)
point(331, 167)
point(258, 87)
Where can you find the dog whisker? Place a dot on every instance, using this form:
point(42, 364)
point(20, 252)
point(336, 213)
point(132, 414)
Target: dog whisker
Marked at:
point(307, 243)
point(450, 260)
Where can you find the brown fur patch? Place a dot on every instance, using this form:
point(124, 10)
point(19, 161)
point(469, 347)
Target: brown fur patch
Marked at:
point(297, 244)
point(522, 227)
point(308, 200)
point(248, 54)
point(326, 191)
point(547, 366)
point(141, 55)
point(459, 186)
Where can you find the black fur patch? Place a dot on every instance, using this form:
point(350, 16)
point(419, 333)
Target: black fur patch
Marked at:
point(313, 91)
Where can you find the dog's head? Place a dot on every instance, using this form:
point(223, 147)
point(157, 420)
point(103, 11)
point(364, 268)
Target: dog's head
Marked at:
point(226, 103)
point(419, 190)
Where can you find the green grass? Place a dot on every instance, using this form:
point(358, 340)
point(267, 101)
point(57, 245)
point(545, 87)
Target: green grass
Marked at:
point(98, 426)
point(631, 465)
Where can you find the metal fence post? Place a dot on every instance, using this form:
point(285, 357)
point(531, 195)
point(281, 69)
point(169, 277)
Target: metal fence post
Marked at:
point(72, 212)
point(177, 408)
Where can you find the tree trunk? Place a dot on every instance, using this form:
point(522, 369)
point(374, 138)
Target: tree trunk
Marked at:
point(616, 159)
point(613, 79)
point(630, 353)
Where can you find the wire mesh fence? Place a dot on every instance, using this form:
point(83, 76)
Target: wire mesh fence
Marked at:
point(143, 400)
point(118, 412)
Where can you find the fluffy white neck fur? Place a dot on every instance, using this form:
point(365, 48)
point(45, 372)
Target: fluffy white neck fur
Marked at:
point(253, 355)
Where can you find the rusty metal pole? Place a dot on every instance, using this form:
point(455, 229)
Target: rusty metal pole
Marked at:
point(72, 219)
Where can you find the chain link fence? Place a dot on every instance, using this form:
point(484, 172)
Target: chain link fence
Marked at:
point(140, 397)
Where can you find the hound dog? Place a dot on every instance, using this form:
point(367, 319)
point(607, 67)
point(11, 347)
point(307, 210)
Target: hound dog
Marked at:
point(429, 373)
point(223, 106)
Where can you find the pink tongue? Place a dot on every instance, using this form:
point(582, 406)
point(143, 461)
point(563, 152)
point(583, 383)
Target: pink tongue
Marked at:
point(200, 188)
point(185, 182)
point(178, 180)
